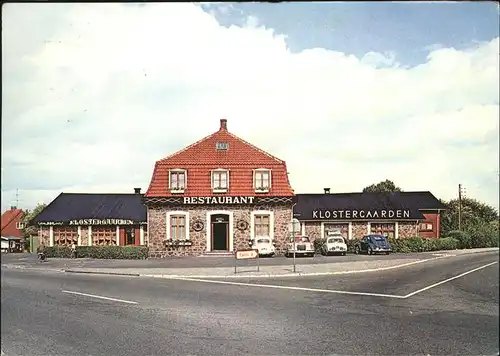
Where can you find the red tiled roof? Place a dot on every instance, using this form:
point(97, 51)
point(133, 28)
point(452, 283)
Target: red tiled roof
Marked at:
point(9, 220)
point(201, 157)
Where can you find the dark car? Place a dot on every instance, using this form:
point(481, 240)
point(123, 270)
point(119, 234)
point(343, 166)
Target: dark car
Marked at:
point(371, 244)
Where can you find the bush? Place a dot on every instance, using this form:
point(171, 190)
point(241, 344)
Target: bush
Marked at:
point(486, 235)
point(318, 244)
point(464, 238)
point(445, 243)
point(100, 252)
point(351, 244)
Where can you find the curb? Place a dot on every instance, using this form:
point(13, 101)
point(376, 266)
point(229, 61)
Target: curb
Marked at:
point(103, 273)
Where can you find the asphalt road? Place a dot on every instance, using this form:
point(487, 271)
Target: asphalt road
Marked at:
point(27, 259)
point(42, 315)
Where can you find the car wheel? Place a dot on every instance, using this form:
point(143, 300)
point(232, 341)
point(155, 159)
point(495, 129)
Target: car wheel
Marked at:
point(343, 253)
point(369, 251)
point(387, 252)
point(356, 250)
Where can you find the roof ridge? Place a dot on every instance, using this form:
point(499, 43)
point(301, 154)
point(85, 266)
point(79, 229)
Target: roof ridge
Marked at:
point(188, 147)
point(256, 148)
point(280, 161)
point(13, 216)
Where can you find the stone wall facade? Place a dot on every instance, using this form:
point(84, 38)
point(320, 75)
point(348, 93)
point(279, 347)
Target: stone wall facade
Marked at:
point(407, 229)
point(358, 229)
point(44, 235)
point(312, 229)
point(157, 226)
point(84, 236)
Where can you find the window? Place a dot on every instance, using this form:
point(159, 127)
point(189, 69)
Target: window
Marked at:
point(222, 146)
point(335, 229)
point(65, 236)
point(103, 236)
point(220, 181)
point(388, 230)
point(262, 225)
point(425, 227)
point(177, 180)
point(19, 225)
point(262, 180)
point(178, 227)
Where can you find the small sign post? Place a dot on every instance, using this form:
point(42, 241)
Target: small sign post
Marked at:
point(295, 227)
point(248, 254)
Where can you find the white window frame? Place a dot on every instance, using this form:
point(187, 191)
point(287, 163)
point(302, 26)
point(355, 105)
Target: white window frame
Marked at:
point(253, 214)
point(427, 227)
point(177, 190)
point(168, 223)
point(261, 189)
point(220, 189)
point(19, 225)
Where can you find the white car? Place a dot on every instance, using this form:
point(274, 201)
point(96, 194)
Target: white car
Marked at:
point(334, 245)
point(264, 245)
point(303, 247)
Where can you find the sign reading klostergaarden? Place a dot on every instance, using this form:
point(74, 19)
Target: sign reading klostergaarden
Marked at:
point(360, 214)
point(102, 222)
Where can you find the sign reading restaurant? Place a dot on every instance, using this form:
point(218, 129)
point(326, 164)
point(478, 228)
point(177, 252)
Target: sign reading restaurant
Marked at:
point(218, 200)
point(361, 214)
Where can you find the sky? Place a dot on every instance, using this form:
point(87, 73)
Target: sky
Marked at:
point(348, 94)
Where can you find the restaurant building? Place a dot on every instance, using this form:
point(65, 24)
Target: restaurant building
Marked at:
point(215, 196)
point(93, 220)
point(395, 215)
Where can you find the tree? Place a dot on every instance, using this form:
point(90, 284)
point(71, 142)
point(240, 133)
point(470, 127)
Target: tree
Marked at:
point(386, 186)
point(474, 215)
point(30, 229)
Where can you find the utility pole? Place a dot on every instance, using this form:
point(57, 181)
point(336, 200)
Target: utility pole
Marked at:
point(460, 191)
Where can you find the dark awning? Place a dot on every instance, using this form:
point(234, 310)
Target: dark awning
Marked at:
point(365, 206)
point(78, 206)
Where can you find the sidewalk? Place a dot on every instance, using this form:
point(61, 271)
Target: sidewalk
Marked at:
point(281, 270)
point(249, 270)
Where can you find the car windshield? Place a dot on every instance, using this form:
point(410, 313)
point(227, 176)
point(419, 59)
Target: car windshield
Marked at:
point(378, 238)
point(300, 239)
point(263, 241)
point(335, 240)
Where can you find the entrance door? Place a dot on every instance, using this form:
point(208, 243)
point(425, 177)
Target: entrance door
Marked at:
point(220, 232)
point(129, 236)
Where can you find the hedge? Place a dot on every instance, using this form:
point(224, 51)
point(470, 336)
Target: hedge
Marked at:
point(100, 252)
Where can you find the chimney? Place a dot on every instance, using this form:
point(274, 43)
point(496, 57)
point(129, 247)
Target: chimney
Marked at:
point(13, 207)
point(223, 124)
point(137, 190)
point(327, 190)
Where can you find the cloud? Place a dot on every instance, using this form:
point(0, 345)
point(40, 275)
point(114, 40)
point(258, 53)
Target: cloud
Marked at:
point(94, 94)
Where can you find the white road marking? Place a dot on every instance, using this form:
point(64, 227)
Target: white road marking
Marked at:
point(100, 297)
point(449, 280)
point(290, 288)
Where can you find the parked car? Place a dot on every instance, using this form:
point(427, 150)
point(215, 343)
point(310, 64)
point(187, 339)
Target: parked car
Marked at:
point(335, 244)
point(303, 247)
point(265, 246)
point(374, 243)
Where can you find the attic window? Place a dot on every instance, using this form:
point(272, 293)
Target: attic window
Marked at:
point(222, 146)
